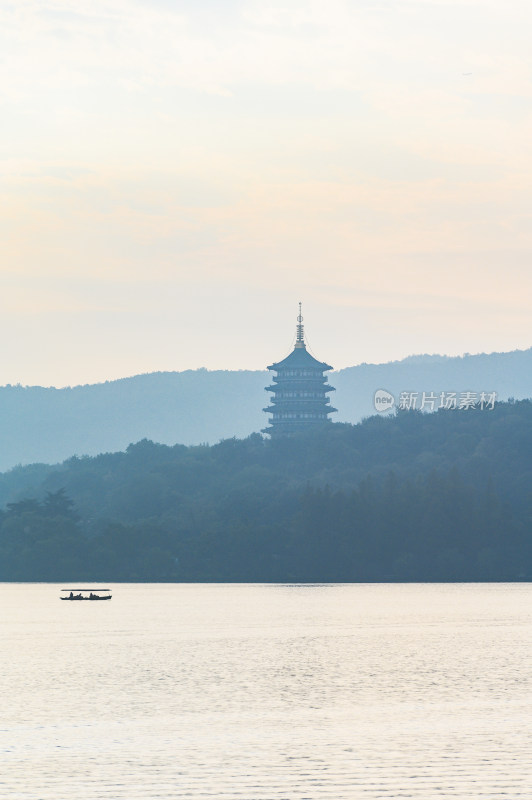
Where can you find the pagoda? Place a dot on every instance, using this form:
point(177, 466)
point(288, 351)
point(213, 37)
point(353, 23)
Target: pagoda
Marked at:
point(299, 389)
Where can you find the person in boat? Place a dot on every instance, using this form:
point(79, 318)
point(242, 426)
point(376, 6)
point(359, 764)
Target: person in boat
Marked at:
point(71, 596)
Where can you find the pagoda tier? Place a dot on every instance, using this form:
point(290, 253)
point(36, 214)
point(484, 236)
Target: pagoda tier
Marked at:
point(308, 381)
point(299, 390)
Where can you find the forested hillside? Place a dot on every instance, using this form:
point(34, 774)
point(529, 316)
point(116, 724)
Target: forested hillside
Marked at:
point(47, 424)
point(443, 496)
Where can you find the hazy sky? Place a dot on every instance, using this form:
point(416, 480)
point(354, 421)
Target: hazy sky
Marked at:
point(175, 175)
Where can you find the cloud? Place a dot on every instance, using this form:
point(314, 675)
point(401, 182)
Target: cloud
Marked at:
point(145, 45)
point(265, 148)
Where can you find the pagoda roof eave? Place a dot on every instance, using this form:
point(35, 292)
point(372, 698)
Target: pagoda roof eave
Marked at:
point(300, 358)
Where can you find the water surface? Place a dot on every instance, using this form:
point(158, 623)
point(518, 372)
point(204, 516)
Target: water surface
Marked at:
point(252, 692)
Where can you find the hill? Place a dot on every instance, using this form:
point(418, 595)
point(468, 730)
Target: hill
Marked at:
point(48, 425)
point(443, 496)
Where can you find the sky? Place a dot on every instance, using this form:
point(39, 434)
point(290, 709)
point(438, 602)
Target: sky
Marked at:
point(176, 175)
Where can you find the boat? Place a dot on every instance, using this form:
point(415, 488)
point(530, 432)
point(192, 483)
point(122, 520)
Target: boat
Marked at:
point(81, 594)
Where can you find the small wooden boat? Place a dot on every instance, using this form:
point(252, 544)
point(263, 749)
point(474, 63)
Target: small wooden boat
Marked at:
point(81, 594)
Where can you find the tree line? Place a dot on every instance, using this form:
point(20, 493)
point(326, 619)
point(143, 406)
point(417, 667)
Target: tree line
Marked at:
point(412, 497)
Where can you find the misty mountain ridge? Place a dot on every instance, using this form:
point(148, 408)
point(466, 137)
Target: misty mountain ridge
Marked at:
point(39, 424)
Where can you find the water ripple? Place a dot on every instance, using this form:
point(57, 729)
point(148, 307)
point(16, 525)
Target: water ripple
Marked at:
point(267, 693)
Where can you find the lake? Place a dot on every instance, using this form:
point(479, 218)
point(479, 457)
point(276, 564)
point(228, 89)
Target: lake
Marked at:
point(259, 692)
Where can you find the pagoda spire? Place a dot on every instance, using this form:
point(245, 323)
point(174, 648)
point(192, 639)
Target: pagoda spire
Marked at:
point(300, 341)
